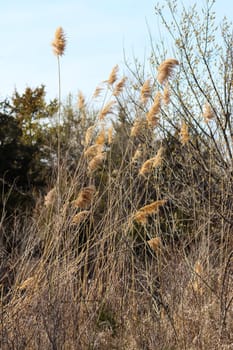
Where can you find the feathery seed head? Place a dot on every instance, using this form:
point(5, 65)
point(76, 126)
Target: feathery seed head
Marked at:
point(119, 86)
point(166, 69)
point(152, 118)
point(184, 134)
point(146, 91)
point(100, 139)
point(97, 92)
point(80, 217)
point(142, 214)
point(208, 113)
point(92, 151)
point(155, 243)
point(50, 197)
point(81, 100)
point(59, 42)
point(113, 75)
point(166, 94)
point(96, 162)
point(89, 135)
point(84, 198)
point(107, 109)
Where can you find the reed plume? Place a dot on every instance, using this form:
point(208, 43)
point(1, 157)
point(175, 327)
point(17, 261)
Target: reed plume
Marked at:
point(139, 126)
point(155, 243)
point(92, 151)
point(96, 162)
point(119, 86)
point(89, 135)
point(50, 197)
point(80, 217)
point(113, 75)
point(97, 91)
point(137, 155)
point(110, 135)
point(166, 94)
point(107, 109)
point(166, 70)
point(81, 100)
point(151, 116)
point(142, 214)
point(84, 198)
point(208, 112)
point(59, 42)
point(146, 91)
point(100, 139)
point(184, 134)
point(151, 163)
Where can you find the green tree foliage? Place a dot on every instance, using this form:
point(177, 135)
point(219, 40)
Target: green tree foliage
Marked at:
point(25, 158)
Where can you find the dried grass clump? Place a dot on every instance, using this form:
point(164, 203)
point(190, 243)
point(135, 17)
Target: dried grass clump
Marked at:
point(155, 243)
point(142, 214)
point(184, 134)
point(59, 42)
point(166, 69)
point(84, 198)
point(152, 118)
point(197, 283)
point(107, 109)
point(113, 75)
point(208, 112)
point(50, 198)
point(119, 86)
point(80, 217)
point(146, 91)
point(151, 163)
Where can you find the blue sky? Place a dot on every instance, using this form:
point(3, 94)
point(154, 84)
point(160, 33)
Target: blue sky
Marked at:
point(97, 32)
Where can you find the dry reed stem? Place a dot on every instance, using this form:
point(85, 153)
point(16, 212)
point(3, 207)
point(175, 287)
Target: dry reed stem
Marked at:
point(84, 198)
point(59, 42)
point(184, 134)
point(80, 217)
point(146, 91)
point(119, 86)
point(113, 75)
point(107, 109)
point(166, 70)
point(208, 113)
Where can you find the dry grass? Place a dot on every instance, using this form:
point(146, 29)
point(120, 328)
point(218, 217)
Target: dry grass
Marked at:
point(103, 274)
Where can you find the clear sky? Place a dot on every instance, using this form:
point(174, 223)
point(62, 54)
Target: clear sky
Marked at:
point(97, 32)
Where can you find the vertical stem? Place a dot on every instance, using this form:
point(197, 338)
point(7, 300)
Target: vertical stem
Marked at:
point(59, 135)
